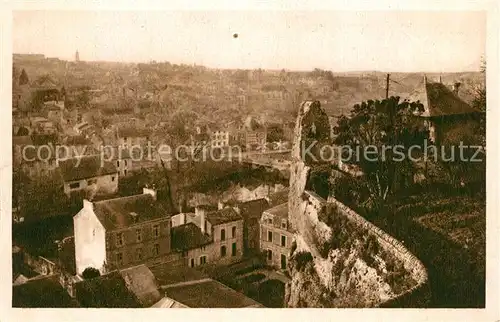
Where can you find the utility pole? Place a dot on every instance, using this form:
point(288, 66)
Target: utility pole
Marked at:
point(387, 87)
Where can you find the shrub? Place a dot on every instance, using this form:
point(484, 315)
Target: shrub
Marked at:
point(90, 272)
point(302, 259)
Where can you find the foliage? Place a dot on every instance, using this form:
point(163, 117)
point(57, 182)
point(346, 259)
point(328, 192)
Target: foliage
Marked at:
point(23, 78)
point(90, 272)
point(275, 133)
point(378, 134)
point(301, 259)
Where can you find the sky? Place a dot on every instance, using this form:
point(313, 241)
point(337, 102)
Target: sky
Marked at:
point(406, 41)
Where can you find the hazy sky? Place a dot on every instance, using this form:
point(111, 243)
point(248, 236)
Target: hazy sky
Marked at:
point(336, 40)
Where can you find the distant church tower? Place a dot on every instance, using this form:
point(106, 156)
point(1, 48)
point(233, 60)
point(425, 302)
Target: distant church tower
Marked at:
point(77, 56)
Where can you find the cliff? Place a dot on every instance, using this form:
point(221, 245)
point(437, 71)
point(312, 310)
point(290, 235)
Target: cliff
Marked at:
point(339, 259)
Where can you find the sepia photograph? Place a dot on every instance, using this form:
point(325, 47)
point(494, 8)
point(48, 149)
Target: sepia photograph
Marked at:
point(248, 159)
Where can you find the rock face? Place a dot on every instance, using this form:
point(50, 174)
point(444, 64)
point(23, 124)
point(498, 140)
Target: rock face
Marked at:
point(339, 259)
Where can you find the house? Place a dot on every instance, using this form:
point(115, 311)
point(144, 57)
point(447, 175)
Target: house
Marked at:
point(79, 145)
point(122, 232)
point(209, 236)
point(188, 287)
point(276, 236)
point(128, 160)
point(134, 287)
point(129, 136)
point(89, 172)
point(35, 160)
point(251, 211)
point(444, 109)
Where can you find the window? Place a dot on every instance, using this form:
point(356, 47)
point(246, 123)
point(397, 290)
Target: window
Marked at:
point(91, 181)
point(269, 254)
point(117, 163)
point(138, 254)
point(113, 178)
point(283, 261)
point(283, 224)
point(119, 258)
point(184, 253)
point(74, 185)
point(270, 221)
point(125, 162)
point(192, 262)
point(156, 249)
point(119, 239)
point(283, 241)
point(269, 236)
point(203, 260)
point(156, 230)
point(222, 251)
point(222, 234)
point(125, 172)
point(93, 232)
point(138, 234)
point(233, 249)
point(233, 232)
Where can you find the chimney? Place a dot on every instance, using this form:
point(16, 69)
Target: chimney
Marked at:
point(182, 219)
point(456, 86)
point(150, 191)
point(88, 205)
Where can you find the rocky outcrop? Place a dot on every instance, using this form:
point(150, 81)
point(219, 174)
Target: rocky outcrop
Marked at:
point(339, 259)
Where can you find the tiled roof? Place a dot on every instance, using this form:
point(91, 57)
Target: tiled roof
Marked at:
point(222, 216)
point(42, 293)
point(438, 100)
point(107, 291)
point(253, 208)
point(280, 212)
point(188, 236)
point(167, 274)
point(209, 294)
point(142, 283)
point(126, 211)
point(85, 167)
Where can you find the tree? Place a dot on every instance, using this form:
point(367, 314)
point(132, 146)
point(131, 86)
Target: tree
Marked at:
point(377, 133)
point(23, 79)
point(90, 272)
point(479, 102)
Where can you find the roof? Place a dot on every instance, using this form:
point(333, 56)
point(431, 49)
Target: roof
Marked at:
point(277, 198)
point(42, 293)
point(253, 208)
point(209, 294)
point(439, 100)
point(132, 132)
point(107, 291)
point(188, 236)
point(85, 167)
point(117, 213)
point(222, 216)
point(142, 283)
point(280, 211)
point(44, 139)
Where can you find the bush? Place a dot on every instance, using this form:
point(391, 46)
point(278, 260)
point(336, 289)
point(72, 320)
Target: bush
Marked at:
point(302, 259)
point(90, 272)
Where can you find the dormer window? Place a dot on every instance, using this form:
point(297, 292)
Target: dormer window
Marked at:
point(283, 224)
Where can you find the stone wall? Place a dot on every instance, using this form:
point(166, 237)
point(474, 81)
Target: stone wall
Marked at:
point(340, 259)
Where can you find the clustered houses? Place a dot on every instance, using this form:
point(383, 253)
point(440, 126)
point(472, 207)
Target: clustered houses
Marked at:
point(128, 137)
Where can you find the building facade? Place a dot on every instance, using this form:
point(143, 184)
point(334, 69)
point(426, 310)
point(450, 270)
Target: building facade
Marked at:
point(276, 236)
point(121, 232)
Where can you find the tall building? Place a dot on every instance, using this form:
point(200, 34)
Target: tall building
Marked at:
point(77, 56)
